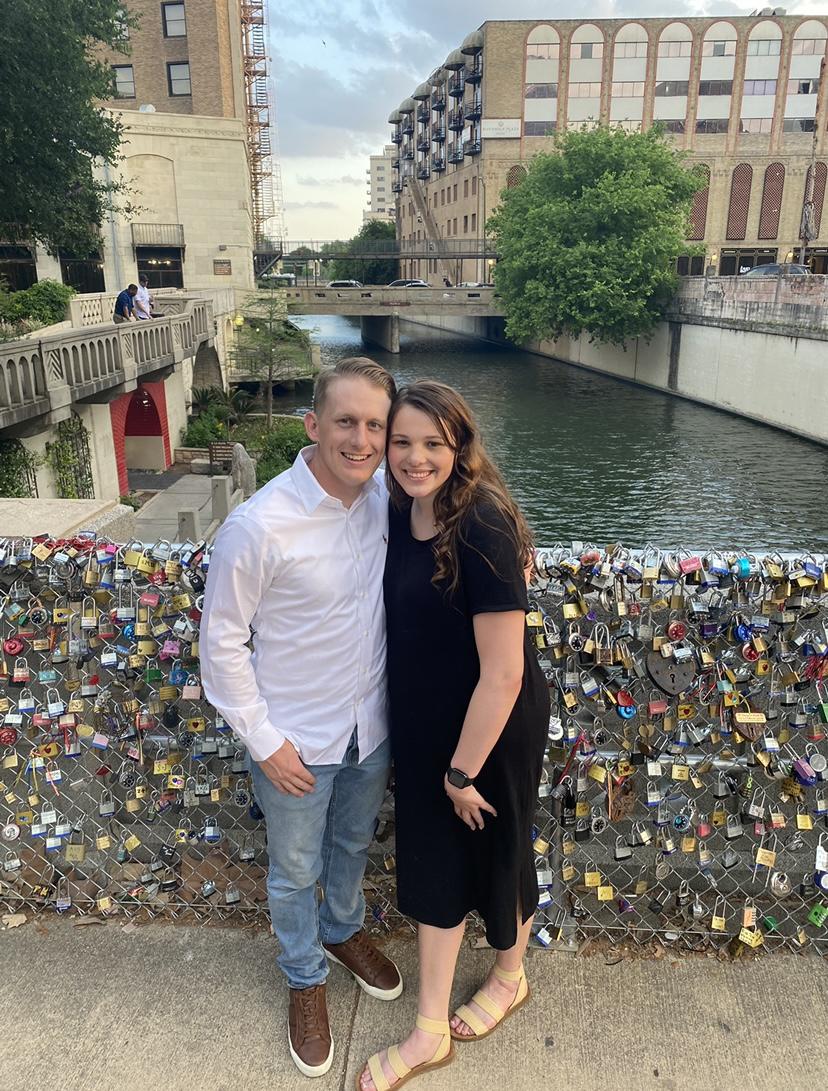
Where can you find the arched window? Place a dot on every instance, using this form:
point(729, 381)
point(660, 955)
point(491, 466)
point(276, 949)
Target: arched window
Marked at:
point(820, 175)
point(698, 213)
point(771, 201)
point(540, 92)
point(737, 212)
point(515, 176)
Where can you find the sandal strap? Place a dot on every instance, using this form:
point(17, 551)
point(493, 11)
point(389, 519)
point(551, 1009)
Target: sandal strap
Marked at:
point(507, 975)
point(432, 1026)
point(377, 1074)
point(401, 1069)
point(488, 1005)
point(465, 1013)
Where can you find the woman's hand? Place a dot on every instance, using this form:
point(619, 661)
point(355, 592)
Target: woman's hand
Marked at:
point(469, 804)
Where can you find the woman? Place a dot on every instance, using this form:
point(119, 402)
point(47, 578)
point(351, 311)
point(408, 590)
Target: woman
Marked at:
point(469, 719)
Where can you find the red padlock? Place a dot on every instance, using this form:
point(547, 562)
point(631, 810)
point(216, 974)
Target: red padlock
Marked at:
point(13, 645)
point(676, 630)
point(8, 736)
point(749, 653)
point(624, 698)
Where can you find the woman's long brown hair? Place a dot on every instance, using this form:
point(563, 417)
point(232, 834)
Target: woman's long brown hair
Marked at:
point(475, 481)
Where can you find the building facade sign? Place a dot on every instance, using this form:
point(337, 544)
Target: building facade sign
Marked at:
point(222, 267)
point(494, 127)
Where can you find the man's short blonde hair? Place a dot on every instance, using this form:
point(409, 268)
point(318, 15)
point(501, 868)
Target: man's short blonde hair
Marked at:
point(360, 367)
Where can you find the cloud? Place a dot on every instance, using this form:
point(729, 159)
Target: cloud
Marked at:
point(343, 180)
point(293, 206)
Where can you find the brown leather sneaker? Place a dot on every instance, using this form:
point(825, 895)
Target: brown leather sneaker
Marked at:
point(375, 974)
point(309, 1035)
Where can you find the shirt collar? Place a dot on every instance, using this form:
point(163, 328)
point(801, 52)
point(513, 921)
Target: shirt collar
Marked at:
point(310, 491)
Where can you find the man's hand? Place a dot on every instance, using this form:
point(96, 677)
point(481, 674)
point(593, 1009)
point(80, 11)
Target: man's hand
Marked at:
point(286, 771)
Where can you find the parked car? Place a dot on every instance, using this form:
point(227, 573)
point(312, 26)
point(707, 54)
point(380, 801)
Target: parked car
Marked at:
point(344, 284)
point(474, 284)
point(408, 284)
point(778, 269)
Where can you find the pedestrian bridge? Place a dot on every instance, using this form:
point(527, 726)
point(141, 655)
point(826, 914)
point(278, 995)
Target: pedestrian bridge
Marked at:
point(381, 308)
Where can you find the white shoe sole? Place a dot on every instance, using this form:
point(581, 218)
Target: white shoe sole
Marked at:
point(371, 990)
point(310, 1070)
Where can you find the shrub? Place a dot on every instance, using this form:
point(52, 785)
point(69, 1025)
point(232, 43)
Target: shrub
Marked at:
point(44, 303)
point(279, 449)
point(204, 429)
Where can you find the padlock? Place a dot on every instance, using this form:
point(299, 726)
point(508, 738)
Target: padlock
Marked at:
point(733, 827)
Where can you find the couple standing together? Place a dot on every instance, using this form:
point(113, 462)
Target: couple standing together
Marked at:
point(330, 564)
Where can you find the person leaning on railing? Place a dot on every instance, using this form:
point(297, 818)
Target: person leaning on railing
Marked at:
point(125, 304)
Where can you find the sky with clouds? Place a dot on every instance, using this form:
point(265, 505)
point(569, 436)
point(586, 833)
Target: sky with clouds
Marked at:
point(341, 66)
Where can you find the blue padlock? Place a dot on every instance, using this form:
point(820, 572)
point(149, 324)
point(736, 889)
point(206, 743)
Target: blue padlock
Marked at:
point(741, 568)
point(626, 712)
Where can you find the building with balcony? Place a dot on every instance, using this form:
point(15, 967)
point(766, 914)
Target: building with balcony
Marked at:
point(380, 176)
point(743, 97)
point(190, 154)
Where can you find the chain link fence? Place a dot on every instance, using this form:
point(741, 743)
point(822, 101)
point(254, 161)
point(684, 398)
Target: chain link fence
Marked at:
point(683, 796)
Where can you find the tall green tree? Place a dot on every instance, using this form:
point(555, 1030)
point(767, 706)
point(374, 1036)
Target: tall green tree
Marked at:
point(268, 347)
point(374, 234)
point(588, 241)
point(51, 129)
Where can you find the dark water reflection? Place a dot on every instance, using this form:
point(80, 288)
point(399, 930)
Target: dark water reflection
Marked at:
point(596, 459)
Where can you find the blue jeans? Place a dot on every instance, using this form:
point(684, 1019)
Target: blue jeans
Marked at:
point(320, 837)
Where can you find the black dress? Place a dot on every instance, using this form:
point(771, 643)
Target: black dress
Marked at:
point(444, 869)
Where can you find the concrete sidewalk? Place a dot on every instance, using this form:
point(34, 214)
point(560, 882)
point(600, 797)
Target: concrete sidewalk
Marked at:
point(173, 1008)
point(158, 518)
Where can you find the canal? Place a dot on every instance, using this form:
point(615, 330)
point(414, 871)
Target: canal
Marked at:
point(595, 459)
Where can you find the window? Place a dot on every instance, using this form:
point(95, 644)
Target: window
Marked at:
point(442, 196)
point(465, 187)
point(803, 87)
point(474, 186)
point(172, 16)
point(808, 47)
point(672, 126)
point(764, 47)
point(543, 51)
point(448, 227)
point(538, 128)
point(671, 89)
point(755, 124)
point(454, 229)
point(760, 87)
point(687, 266)
point(715, 87)
point(674, 49)
point(798, 125)
point(586, 50)
point(627, 90)
point(630, 49)
point(163, 266)
point(178, 79)
point(124, 81)
point(454, 194)
point(718, 125)
point(719, 49)
point(584, 90)
point(541, 90)
point(465, 225)
point(474, 221)
point(436, 196)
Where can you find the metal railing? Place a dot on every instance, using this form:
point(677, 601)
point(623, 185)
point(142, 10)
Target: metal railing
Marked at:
point(158, 235)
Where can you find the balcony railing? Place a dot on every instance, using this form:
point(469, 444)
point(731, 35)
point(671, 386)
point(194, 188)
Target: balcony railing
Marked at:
point(408, 153)
point(396, 187)
point(423, 142)
point(423, 111)
point(438, 133)
point(438, 101)
point(395, 164)
point(456, 85)
point(474, 70)
point(396, 136)
point(471, 147)
point(438, 163)
point(474, 109)
point(456, 154)
point(158, 235)
point(408, 126)
point(455, 121)
point(423, 173)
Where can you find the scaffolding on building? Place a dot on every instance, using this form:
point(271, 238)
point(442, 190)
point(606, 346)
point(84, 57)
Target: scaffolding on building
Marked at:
point(265, 176)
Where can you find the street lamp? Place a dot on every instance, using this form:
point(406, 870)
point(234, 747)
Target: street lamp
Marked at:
point(238, 321)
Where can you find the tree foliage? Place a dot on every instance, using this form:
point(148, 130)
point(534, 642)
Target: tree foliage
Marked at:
point(368, 270)
point(51, 130)
point(588, 241)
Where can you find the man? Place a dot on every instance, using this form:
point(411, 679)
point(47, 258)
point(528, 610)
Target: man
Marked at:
point(143, 299)
point(301, 563)
point(125, 305)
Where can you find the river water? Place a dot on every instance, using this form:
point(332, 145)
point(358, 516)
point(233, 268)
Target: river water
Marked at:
point(595, 459)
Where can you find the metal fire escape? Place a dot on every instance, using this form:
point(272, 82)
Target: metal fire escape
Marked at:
point(265, 174)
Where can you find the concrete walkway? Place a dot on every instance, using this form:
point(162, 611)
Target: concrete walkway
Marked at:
point(173, 1008)
point(158, 518)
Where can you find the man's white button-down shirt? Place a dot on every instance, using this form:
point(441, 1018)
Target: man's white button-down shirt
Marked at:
point(305, 574)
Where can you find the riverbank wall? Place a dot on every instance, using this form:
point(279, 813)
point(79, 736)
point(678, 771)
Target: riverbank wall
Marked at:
point(765, 359)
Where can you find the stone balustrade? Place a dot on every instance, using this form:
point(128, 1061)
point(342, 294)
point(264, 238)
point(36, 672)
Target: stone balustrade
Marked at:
point(41, 379)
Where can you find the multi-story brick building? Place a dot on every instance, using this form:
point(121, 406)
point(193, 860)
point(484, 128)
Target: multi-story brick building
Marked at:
point(381, 203)
point(741, 96)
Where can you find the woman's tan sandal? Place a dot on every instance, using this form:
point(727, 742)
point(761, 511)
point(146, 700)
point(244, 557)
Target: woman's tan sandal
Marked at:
point(443, 1056)
point(488, 1005)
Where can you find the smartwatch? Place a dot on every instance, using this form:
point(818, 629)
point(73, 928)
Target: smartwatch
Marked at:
point(458, 778)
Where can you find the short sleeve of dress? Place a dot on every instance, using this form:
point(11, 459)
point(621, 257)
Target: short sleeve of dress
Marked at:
point(491, 572)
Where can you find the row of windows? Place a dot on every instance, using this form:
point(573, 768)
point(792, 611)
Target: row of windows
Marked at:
point(671, 88)
point(178, 80)
point(449, 193)
point(757, 47)
point(747, 125)
point(173, 22)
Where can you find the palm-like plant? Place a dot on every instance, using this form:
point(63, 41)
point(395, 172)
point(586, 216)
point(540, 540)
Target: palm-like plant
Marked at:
point(203, 397)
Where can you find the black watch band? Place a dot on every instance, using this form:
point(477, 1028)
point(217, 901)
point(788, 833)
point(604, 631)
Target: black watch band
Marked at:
point(458, 779)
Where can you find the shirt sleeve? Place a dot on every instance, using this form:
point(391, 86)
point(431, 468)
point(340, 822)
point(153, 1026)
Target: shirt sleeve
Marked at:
point(241, 569)
point(491, 572)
